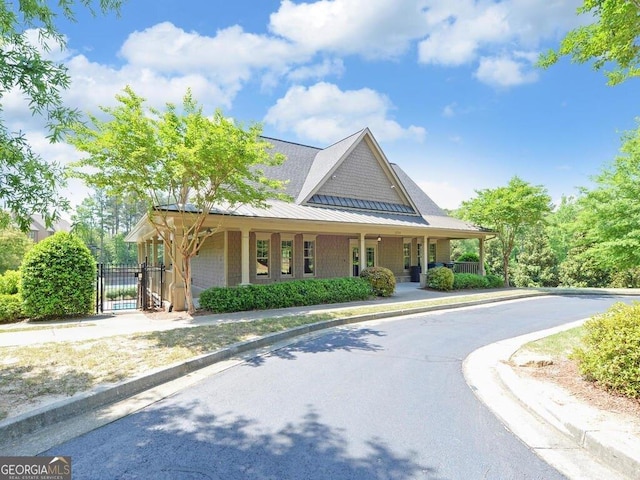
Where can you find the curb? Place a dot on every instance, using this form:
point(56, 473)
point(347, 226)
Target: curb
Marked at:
point(591, 430)
point(15, 427)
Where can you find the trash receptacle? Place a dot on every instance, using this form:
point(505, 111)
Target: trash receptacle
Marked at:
point(414, 272)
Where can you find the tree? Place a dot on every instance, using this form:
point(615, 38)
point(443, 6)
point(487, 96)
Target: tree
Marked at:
point(537, 264)
point(561, 226)
point(610, 40)
point(610, 212)
point(14, 244)
point(194, 161)
point(27, 182)
point(508, 211)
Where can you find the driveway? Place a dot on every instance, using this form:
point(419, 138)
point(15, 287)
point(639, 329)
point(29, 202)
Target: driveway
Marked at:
point(385, 399)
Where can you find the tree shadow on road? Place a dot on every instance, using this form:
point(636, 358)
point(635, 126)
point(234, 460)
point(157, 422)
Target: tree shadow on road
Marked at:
point(345, 339)
point(170, 442)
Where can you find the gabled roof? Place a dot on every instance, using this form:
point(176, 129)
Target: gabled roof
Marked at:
point(325, 162)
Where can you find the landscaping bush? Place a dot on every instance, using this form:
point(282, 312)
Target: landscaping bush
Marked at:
point(440, 278)
point(627, 279)
point(10, 308)
point(463, 281)
point(382, 280)
point(284, 294)
point(468, 257)
point(494, 281)
point(610, 351)
point(9, 282)
point(58, 278)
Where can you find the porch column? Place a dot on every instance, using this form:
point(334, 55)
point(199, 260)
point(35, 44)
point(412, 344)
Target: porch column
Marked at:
point(177, 287)
point(481, 250)
point(424, 261)
point(363, 253)
point(141, 252)
point(154, 252)
point(244, 257)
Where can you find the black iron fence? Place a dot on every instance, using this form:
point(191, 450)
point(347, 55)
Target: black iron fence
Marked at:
point(128, 287)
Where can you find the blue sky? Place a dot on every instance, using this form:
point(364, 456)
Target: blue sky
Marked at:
point(448, 87)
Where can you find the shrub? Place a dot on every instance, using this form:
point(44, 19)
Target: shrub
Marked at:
point(462, 281)
point(468, 257)
point(10, 308)
point(610, 351)
point(284, 294)
point(382, 280)
point(494, 281)
point(58, 277)
point(9, 282)
point(440, 278)
point(627, 279)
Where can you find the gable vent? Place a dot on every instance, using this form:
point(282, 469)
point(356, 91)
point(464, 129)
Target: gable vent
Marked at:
point(356, 203)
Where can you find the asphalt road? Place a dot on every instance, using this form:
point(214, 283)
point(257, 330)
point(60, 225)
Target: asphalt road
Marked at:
point(381, 400)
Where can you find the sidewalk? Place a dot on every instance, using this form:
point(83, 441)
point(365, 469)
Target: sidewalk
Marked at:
point(609, 438)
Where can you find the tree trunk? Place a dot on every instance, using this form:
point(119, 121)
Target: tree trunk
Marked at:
point(188, 292)
point(505, 268)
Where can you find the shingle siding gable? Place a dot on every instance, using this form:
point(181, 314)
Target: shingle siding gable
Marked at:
point(361, 176)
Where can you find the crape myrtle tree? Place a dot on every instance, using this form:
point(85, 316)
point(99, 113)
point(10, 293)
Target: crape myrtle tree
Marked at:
point(611, 40)
point(194, 161)
point(508, 211)
point(28, 183)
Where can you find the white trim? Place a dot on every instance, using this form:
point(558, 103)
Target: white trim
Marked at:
point(263, 235)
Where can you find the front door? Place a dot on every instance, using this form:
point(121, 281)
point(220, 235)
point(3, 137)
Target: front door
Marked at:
point(355, 261)
point(370, 256)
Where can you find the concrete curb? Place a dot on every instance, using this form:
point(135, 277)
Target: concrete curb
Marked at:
point(596, 432)
point(28, 422)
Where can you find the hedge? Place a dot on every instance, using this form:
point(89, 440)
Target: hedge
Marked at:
point(440, 278)
point(464, 281)
point(284, 294)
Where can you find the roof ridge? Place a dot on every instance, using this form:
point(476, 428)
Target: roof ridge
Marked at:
point(291, 143)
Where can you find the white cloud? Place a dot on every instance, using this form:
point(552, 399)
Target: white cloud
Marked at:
point(445, 194)
point(325, 113)
point(318, 71)
point(449, 111)
point(462, 30)
point(505, 71)
point(371, 28)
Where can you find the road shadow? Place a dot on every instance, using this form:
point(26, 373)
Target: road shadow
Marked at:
point(345, 339)
point(171, 442)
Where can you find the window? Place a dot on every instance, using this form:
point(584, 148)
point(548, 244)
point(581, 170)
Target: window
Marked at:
point(371, 257)
point(406, 255)
point(262, 258)
point(286, 262)
point(309, 257)
point(432, 252)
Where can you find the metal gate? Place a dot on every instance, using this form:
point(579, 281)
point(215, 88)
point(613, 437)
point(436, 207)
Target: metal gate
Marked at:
point(128, 287)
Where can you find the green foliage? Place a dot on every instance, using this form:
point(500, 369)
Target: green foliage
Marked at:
point(189, 161)
point(440, 278)
point(10, 282)
point(284, 294)
point(122, 292)
point(10, 308)
point(382, 280)
point(561, 226)
point(610, 354)
point(494, 281)
point(28, 183)
point(583, 268)
point(629, 278)
point(14, 244)
point(468, 257)
point(537, 265)
point(58, 278)
point(610, 40)
point(508, 211)
point(464, 281)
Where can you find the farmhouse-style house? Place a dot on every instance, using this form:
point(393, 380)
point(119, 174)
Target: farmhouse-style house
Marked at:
point(351, 209)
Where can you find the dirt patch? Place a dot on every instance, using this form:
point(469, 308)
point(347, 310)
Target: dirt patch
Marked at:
point(565, 374)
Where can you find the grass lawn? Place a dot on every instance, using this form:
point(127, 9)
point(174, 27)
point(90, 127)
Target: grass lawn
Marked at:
point(558, 346)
